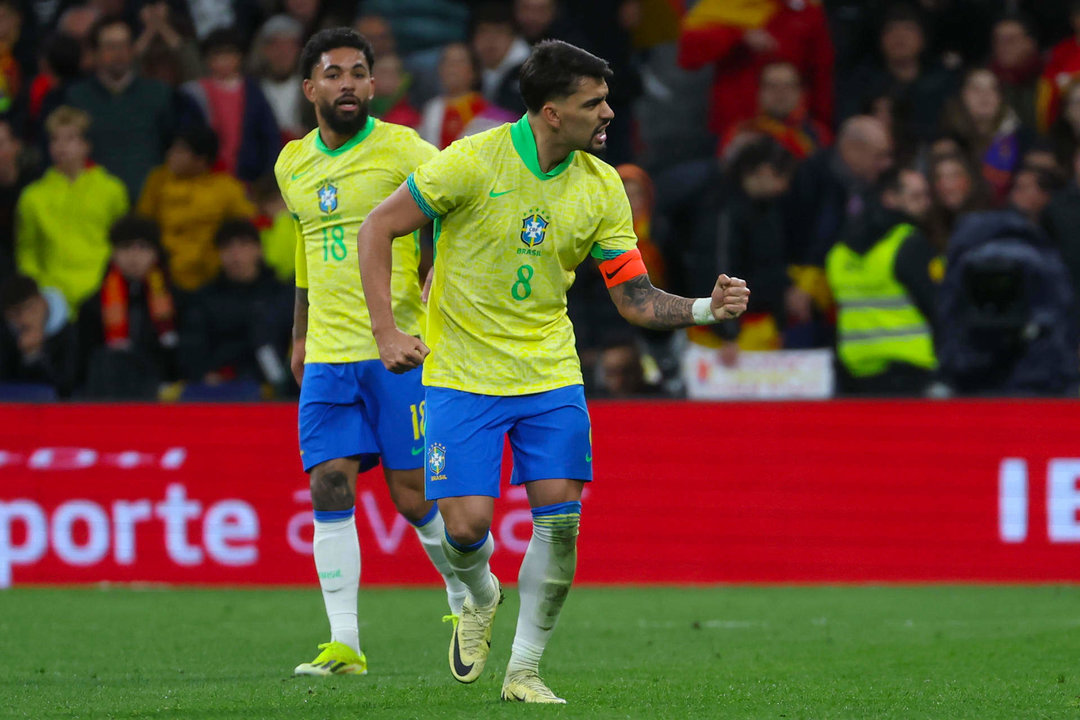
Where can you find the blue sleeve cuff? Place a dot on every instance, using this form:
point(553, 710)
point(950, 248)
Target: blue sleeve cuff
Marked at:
point(419, 198)
point(601, 254)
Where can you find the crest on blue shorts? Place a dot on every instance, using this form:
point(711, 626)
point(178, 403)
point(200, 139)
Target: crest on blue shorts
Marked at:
point(436, 458)
point(533, 229)
point(327, 198)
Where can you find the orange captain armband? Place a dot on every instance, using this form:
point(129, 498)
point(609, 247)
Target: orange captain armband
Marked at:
point(623, 267)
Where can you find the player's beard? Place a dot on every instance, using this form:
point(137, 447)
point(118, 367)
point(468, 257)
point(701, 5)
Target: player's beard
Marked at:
point(595, 146)
point(345, 123)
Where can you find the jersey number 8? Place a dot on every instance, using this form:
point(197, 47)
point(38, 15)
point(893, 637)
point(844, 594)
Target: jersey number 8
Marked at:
point(522, 289)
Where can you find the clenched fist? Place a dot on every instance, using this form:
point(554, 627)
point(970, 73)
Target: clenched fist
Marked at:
point(729, 298)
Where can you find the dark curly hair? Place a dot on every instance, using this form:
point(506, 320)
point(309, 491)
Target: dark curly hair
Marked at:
point(330, 39)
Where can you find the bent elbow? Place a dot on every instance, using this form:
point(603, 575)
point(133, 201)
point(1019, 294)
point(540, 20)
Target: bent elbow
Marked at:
point(636, 315)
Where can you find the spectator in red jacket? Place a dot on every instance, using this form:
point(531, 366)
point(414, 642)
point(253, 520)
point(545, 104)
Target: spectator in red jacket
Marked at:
point(781, 115)
point(1062, 68)
point(739, 39)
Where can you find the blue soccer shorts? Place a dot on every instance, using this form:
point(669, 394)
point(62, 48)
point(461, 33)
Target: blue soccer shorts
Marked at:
point(549, 437)
point(361, 409)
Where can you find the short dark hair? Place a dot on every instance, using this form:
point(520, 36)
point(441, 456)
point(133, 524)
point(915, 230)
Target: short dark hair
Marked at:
point(492, 13)
point(623, 337)
point(1040, 144)
point(236, 229)
point(330, 39)
point(131, 229)
point(201, 140)
point(961, 142)
point(63, 54)
point(223, 39)
point(1048, 181)
point(16, 290)
point(554, 70)
point(902, 12)
point(1022, 19)
point(762, 151)
point(108, 21)
point(891, 181)
point(264, 188)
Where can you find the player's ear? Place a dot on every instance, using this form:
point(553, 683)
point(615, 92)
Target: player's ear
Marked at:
point(309, 89)
point(371, 88)
point(551, 114)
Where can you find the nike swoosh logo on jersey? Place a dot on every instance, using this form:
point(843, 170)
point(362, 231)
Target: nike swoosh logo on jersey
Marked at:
point(416, 451)
point(459, 667)
point(615, 272)
point(500, 194)
point(299, 174)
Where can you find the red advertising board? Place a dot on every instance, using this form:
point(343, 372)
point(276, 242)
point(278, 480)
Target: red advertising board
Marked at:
point(684, 493)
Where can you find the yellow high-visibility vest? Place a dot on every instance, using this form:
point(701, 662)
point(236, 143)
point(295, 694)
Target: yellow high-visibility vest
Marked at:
point(876, 323)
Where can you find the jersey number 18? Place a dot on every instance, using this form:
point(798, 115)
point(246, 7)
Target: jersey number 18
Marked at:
point(333, 243)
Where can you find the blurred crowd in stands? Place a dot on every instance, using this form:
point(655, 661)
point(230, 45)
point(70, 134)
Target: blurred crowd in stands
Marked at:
point(897, 181)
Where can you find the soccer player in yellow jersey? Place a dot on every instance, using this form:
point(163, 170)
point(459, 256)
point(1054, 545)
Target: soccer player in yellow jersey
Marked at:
point(519, 206)
point(353, 411)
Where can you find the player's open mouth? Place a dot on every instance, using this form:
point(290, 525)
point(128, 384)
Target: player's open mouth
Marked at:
point(348, 103)
point(601, 135)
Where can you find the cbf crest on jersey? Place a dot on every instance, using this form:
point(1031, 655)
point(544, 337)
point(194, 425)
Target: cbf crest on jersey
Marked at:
point(327, 198)
point(436, 461)
point(533, 228)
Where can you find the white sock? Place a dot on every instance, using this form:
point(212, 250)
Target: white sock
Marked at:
point(337, 560)
point(544, 581)
point(431, 536)
point(472, 569)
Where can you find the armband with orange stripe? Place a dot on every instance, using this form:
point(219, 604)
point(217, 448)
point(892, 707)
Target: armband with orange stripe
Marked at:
point(623, 267)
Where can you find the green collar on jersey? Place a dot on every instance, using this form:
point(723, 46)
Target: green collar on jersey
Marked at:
point(522, 136)
point(349, 144)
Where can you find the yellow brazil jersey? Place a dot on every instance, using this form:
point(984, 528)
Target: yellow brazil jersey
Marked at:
point(329, 193)
point(508, 240)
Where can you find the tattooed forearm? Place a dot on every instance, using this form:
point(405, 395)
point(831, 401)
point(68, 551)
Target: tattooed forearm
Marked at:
point(672, 311)
point(642, 304)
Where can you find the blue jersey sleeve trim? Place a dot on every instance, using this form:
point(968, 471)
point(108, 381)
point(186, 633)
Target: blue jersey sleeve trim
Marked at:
point(419, 198)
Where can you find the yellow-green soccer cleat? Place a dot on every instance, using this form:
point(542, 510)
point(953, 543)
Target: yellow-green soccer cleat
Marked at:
point(335, 659)
point(526, 686)
point(471, 641)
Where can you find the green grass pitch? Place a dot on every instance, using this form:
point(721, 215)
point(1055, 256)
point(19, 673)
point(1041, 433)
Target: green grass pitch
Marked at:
point(723, 652)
